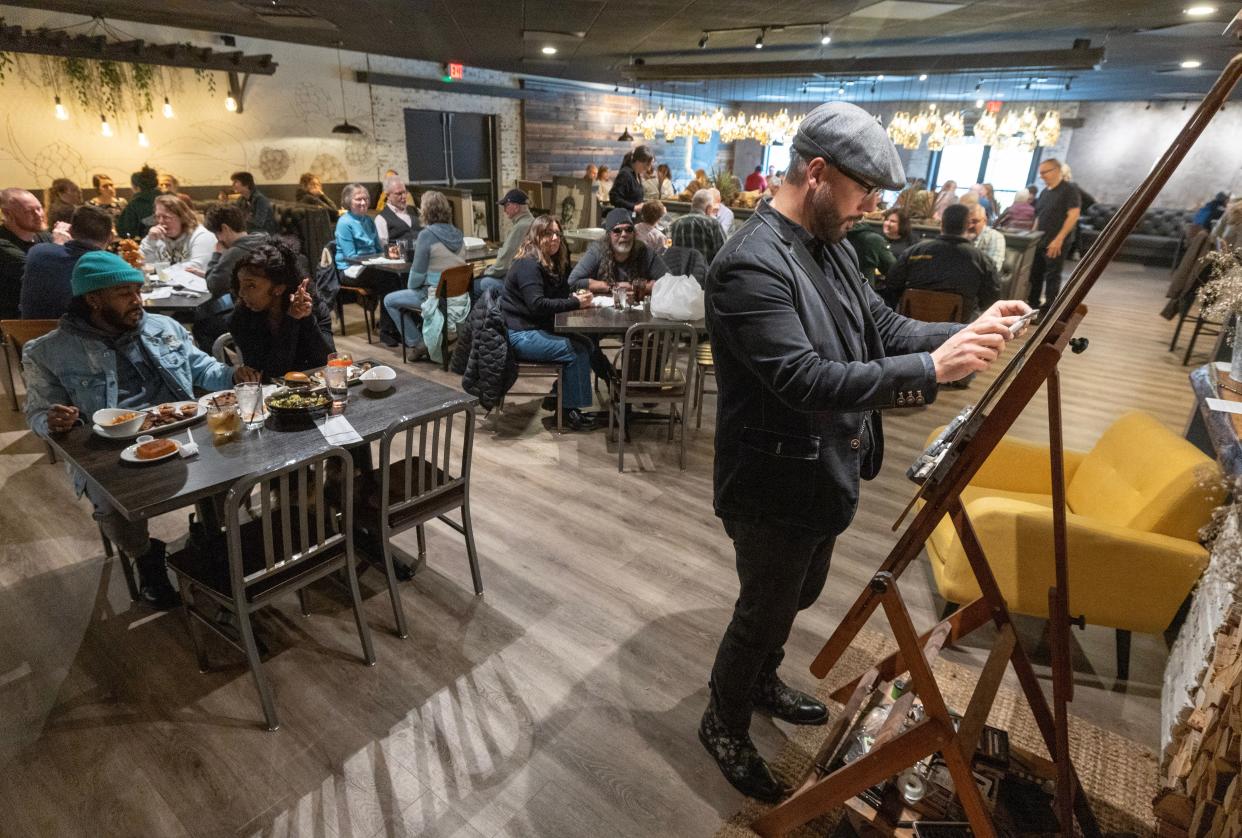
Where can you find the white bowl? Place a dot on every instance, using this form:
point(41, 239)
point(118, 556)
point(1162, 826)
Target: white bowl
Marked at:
point(379, 379)
point(104, 418)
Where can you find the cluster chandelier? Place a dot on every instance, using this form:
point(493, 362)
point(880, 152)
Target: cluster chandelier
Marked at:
point(1024, 130)
point(765, 128)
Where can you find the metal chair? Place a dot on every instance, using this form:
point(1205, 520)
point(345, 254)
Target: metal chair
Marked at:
point(224, 349)
point(283, 550)
point(656, 366)
point(931, 306)
point(533, 369)
point(704, 365)
point(429, 478)
point(453, 283)
point(14, 334)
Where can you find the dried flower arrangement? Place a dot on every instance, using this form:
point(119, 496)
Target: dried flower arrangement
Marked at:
point(1221, 296)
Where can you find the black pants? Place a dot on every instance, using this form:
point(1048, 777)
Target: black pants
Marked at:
point(782, 571)
point(380, 283)
point(1045, 276)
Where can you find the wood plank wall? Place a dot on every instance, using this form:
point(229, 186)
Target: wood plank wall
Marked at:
point(561, 134)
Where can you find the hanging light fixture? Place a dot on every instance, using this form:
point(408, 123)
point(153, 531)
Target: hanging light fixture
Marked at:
point(344, 127)
point(625, 136)
point(61, 113)
point(824, 38)
point(142, 137)
point(168, 109)
point(759, 39)
point(104, 127)
point(230, 104)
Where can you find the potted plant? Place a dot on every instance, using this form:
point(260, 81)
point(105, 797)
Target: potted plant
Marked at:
point(1220, 299)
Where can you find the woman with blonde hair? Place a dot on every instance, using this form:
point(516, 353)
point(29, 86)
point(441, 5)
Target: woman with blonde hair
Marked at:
point(177, 237)
point(536, 290)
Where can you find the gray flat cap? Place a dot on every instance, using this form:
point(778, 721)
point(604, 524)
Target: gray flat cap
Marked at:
point(848, 136)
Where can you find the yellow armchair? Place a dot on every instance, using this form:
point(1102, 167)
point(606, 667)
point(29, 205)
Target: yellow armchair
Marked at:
point(1136, 503)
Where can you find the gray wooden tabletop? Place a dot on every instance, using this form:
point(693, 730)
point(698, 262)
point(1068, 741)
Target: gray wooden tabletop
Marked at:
point(148, 489)
point(609, 321)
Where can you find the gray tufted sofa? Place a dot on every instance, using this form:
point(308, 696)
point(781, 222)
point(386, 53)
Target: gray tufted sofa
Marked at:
point(1156, 240)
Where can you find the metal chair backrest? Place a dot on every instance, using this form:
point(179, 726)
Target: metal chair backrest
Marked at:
point(433, 465)
point(931, 306)
point(454, 282)
point(655, 353)
point(225, 350)
point(320, 527)
point(17, 333)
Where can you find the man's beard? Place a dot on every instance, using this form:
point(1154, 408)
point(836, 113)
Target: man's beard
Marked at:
point(119, 320)
point(621, 252)
point(821, 216)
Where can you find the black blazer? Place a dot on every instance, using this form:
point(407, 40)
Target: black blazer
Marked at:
point(627, 189)
point(800, 377)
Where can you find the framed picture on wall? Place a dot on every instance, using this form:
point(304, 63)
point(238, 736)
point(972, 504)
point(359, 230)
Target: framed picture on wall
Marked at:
point(574, 203)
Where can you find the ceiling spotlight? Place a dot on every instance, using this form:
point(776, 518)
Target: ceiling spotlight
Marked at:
point(824, 38)
point(703, 41)
point(1148, 107)
point(168, 109)
point(1184, 105)
point(922, 76)
point(873, 88)
point(880, 77)
point(841, 89)
point(548, 50)
point(979, 86)
point(1191, 64)
point(1069, 82)
point(978, 103)
point(759, 39)
point(61, 113)
point(1199, 10)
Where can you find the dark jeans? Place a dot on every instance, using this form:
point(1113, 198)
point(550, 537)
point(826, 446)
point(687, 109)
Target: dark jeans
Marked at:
point(380, 283)
point(1045, 276)
point(782, 571)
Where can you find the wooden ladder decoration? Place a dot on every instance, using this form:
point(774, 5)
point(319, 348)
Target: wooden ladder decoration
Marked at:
point(895, 749)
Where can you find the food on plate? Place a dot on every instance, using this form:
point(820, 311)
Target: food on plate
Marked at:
point(297, 401)
point(154, 449)
point(188, 410)
point(167, 414)
point(297, 379)
point(122, 419)
point(224, 399)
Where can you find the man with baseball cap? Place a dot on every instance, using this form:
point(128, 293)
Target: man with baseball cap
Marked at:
point(515, 207)
point(107, 352)
point(806, 358)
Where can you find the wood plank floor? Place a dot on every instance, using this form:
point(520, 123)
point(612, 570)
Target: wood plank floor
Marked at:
point(561, 703)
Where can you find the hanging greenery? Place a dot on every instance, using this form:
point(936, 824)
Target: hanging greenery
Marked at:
point(81, 76)
point(142, 77)
point(6, 64)
point(112, 84)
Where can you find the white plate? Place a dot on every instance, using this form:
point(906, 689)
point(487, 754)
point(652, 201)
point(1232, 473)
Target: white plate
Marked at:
point(129, 455)
point(159, 429)
point(353, 377)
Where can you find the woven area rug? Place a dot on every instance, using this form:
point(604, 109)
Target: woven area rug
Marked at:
point(1118, 775)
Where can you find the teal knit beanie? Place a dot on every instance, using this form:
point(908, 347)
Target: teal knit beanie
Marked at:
point(99, 269)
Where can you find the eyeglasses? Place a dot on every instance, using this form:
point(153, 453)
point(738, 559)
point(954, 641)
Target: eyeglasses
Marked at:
point(550, 234)
point(622, 229)
point(871, 189)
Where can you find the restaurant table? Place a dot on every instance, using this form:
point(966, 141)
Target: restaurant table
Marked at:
point(144, 490)
point(606, 320)
point(176, 304)
point(472, 254)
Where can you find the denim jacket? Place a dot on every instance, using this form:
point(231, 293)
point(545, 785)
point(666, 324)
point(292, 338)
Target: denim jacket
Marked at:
point(68, 366)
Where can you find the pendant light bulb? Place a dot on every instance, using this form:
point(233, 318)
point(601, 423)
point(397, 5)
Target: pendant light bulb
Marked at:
point(230, 104)
point(61, 113)
point(759, 39)
point(168, 109)
point(142, 137)
point(104, 127)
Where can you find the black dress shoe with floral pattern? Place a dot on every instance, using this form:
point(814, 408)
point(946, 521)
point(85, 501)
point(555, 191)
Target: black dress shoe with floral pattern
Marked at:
point(739, 760)
point(778, 699)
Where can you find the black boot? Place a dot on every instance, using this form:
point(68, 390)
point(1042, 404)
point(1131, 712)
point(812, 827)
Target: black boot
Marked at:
point(576, 420)
point(778, 699)
point(739, 760)
point(153, 584)
point(549, 401)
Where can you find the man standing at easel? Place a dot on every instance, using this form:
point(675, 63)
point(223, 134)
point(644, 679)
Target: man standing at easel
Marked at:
point(806, 355)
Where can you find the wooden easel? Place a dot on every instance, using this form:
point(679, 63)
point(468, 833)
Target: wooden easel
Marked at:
point(895, 749)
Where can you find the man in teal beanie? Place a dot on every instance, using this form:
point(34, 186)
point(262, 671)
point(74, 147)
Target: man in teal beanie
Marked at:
point(107, 352)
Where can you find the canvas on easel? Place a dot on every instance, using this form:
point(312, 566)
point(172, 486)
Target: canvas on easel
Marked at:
point(945, 471)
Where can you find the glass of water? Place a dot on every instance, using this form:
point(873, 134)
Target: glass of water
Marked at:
point(250, 404)
point(336, 377)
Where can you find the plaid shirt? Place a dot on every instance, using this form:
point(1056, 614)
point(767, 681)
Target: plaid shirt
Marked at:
point(698, 231)
point(991, 243)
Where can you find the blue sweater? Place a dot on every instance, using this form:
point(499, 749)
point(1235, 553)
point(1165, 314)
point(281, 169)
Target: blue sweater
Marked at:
point(45, 283)
point(355, 236)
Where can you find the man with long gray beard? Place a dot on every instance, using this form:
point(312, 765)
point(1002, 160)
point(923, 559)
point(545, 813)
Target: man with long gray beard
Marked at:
point(806, 356)
point(617, 258)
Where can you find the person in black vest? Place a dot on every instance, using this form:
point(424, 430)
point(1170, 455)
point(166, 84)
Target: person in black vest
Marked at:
point(948, 263)
point(398, 221)
point(627, 189)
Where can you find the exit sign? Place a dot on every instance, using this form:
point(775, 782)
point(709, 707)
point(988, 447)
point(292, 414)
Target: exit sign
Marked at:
point(994, 106)
point(454, 71)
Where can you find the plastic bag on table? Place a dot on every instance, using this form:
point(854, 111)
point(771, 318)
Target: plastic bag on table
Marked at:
point(677, 298)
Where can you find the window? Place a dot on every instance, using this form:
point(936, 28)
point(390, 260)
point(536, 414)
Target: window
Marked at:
point(1008, 170)
point(778, 156)
point(960, 162)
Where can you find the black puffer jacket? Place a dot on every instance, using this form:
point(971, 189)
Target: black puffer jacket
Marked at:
point(487, 366)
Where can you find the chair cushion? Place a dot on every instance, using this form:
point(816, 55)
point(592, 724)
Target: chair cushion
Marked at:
point(212, 571)
point(1143, 476)
point(366, 506)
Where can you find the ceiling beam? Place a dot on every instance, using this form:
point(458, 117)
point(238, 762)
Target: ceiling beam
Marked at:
point(416, 83)
point(1077, 58)
point(97, 48)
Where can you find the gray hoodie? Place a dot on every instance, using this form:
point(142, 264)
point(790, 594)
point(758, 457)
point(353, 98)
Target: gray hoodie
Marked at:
point(438, 248)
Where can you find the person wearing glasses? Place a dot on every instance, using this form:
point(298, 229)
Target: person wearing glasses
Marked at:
point(1056, 215)
point(807, 355)
point(536, 290)
point(617, 259)
point(396, 222)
